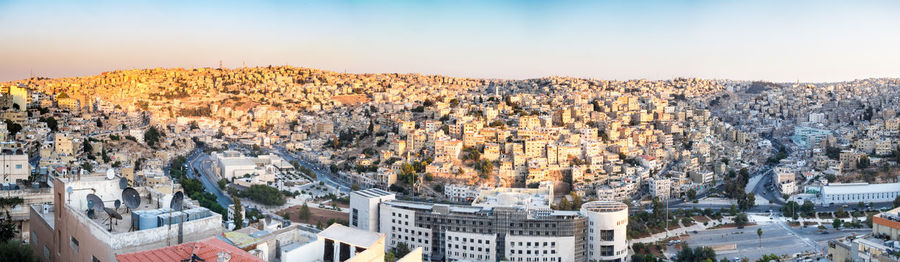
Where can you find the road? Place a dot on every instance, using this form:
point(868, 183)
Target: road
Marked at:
point(198, 160)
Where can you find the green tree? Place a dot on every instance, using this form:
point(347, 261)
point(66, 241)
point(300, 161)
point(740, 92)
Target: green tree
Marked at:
point(151, 136)
point(401, 250)
point(14, 250)
point(222, 183)
point(238, 213)
point(897, 202)
point(837, 223)
point(688, 254)
point(304, 212)
point(8, 228)
point(863, 162)
point(759, 234)
point(12, 127)
point(741, 220)
point(692, 194)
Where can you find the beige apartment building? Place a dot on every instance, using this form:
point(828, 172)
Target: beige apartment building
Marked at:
point(67, 231)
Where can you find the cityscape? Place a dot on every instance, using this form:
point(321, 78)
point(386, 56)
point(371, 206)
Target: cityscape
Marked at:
point(229, 161)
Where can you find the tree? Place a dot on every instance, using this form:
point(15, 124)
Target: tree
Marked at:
point(151, 136)
point(12, 127)
point(222, 183)
point(14, 250)
point(759, 234)
point(265, 195)
point(808, 207)
point(8, 228)
point(837, 223)
point(401, 250)
point(390, 257)
point(688, 254)
point(564, 204)
point(304, 213)
point(238, 213)
point(897, 202)
point(863, 162)
point(51, 123)
point(692, 194)
point(741, 220)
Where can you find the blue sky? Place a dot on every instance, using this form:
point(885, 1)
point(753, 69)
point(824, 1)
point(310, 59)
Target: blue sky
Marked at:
point(747, 40)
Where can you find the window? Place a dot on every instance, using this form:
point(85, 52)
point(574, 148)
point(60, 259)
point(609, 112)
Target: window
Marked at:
point(606, 235)
point(606, 251)
point(74, 243)
point(18, 166)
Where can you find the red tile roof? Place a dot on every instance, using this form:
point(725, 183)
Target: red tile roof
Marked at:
point(207, 249)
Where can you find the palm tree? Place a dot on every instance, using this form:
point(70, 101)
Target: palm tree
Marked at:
point(759, 234)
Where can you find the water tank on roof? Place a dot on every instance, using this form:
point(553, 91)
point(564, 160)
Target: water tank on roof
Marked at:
point(197, 213)
point(145, 219)
point(175, 217)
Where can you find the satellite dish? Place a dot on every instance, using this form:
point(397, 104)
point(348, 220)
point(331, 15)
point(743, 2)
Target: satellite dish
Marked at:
point(112, 213)
point(90, 213)
point(177, 201)
point(131, 197)
point(110, 174)
point(94, 202)
point(118, 203)
point(123, 183)
point(69, 190)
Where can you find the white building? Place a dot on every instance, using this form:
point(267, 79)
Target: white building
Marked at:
point(661, 188)
point(859, 192)
point(607, 222)
point(365, 205)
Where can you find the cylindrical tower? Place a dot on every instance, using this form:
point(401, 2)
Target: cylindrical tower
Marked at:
point(607, 224)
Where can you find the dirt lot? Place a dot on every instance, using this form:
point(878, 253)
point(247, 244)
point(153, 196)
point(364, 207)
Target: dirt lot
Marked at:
point(316, 215)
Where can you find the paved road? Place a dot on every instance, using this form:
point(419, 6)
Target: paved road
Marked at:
point(198, 160)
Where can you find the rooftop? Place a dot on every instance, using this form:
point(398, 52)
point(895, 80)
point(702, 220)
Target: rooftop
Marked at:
point(528, 198)
point(604, 206)
point(854, 188)
point(356, 237)
point(207, 249)
point(372, 192)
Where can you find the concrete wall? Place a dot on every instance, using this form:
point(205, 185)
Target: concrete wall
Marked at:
point(313, 251)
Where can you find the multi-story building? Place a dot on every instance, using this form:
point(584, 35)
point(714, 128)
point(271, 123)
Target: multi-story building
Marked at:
point(70, 230)
point(501, 224)
point(607, 223)
point(660, 188)
point(366, 203)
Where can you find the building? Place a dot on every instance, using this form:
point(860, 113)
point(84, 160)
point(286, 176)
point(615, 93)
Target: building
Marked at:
point(660, 188)
point(786, 180)
point(364, 207)
point(67, 231)
point(339, 243)
point(805, 137)
point(503, 225)
point(838, 193)
point(887, 224)
point(14, 164)
point(607, 223)
point(210, 249)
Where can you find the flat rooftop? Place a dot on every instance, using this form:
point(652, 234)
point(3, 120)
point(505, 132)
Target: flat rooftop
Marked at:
point(352, 236)
point(528, 198)
point(856, 188)
point(604, 206)
point(372, 192)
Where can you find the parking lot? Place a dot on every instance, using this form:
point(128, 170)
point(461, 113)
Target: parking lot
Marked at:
point(777, 239)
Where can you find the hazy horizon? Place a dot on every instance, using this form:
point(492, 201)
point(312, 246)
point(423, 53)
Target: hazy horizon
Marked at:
point(806, 41)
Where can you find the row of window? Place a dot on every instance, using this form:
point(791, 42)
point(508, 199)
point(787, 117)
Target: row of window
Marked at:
point(536, 244)
point(536, 252)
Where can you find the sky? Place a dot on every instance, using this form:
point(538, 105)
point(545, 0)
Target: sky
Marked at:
point(784, 41)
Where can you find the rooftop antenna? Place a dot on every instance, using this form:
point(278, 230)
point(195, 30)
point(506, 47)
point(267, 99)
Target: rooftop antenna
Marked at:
point(123, 183)
point(131, 198)
point(69, 190)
